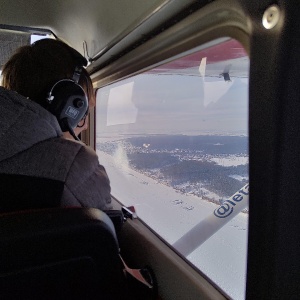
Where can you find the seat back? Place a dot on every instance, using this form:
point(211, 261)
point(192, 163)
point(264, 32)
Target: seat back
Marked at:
point(20, 192)
point(59, 253)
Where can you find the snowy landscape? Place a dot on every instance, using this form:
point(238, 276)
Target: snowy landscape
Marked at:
point(174, 182)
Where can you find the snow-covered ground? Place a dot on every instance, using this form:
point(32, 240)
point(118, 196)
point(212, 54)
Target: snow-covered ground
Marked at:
point(231, 160)
point(171, 214)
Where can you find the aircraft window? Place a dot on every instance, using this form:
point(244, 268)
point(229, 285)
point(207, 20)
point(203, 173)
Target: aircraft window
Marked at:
point(36, 37)
point(174, 141)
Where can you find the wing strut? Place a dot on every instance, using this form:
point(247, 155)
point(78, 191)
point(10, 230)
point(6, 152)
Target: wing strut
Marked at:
point(211, 224)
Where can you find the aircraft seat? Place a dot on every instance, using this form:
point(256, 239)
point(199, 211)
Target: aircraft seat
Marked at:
point(59, 253)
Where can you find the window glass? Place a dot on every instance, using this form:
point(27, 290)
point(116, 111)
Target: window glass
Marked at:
point(174, 141)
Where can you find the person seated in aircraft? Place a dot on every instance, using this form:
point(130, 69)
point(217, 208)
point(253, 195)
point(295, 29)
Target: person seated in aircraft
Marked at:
point(46, 87)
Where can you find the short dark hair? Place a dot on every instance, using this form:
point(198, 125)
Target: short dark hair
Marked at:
point(33, 70)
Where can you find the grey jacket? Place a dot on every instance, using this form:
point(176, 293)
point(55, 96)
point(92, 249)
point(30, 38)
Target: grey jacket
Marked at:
point(31, 144)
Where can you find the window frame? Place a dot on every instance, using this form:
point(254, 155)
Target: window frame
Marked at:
point(147, 224)
point(200, 28)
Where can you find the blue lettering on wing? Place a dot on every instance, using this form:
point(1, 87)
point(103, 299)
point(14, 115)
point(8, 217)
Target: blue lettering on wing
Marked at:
point(226, 209)
point(223, 211)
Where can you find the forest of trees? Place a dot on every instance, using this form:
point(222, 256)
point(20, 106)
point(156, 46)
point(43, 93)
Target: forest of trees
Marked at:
point(180, 160)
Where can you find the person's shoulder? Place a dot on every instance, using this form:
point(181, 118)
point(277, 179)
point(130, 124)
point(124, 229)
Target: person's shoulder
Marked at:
point(68, 144)
point(86, 165)
point(63, 145)
point(84, 149)
point(69, 152)
point(84, 154)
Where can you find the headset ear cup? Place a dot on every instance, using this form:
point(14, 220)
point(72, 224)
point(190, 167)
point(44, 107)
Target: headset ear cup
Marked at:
point(68, 102)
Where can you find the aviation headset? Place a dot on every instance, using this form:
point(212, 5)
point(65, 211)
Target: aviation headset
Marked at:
point(67, 100)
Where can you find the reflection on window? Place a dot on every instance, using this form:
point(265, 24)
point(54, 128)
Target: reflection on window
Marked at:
point(174, 141)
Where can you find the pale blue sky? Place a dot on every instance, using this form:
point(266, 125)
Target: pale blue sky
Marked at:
point(174, 104)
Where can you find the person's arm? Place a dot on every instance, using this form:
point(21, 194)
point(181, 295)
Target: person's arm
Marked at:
point(87, 183)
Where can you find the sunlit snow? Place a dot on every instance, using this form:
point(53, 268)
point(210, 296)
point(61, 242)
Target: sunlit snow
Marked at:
point(231, 160)
point(172, 214)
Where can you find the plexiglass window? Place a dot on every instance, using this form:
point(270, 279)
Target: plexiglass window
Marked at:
point(174, 142)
